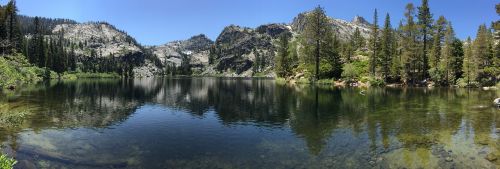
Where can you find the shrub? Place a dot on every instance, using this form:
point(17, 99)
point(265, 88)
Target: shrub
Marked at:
point(350, 73)
point(463, 83)
point(373, 81)
point(15, 70)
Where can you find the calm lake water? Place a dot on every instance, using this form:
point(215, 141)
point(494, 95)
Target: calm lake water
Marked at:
point(246, 123)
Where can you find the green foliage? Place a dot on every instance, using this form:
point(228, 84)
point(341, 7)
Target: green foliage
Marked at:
point(6, 162)
point(282, 59)
point(373, 81)
point(387, 48)
point(462, 82)
point(320, 53)
point(374, 44)
point(350, 73)
point(85, 75)
point(15, 70)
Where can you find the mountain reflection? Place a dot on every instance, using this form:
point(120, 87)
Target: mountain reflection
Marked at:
point(409, 118)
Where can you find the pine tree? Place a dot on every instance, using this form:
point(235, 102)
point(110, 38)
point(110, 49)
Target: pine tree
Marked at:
point(470, 64)
point(282, 67)
point(258, 60)
point(317, 42)
point(396, 66)
point(425, 25)
point(348, 50)
point(357, 39)
point(457, 60)
point(482, 51)
point(435, 55)
point(410, 59)
point(387, 48)
point(447, 56)
point(13, 32)
point(374, 44)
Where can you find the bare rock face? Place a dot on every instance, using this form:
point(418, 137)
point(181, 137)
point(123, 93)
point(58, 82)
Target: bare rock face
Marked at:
point(238, 47)
point(196, 49)
point(102, 38)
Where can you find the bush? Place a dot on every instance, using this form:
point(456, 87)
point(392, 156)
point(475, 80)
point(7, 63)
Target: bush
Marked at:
point(7, 162)
point(373, 81)
point(350, 73)
point(15, 70)
point(463, 83)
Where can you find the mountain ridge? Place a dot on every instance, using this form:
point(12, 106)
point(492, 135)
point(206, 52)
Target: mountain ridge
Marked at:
point(236, 51)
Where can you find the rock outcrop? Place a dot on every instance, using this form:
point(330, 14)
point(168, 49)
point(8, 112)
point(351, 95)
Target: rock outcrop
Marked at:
point(195, 50)
point(237, 48)
point(102, 38)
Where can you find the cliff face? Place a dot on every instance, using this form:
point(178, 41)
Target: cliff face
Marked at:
point(235, 52)
point(195, 50)
point(103, 38)
point(237, 49)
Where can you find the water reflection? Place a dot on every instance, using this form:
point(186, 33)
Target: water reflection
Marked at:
point(255, 123)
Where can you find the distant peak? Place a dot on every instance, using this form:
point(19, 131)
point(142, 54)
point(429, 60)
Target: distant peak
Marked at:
point(200, 36)
point(360, 20)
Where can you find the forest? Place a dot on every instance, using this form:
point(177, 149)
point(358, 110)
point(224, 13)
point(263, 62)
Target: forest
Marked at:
point(421, 50)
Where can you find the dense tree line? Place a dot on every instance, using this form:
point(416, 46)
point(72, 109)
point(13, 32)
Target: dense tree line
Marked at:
point(33, 37)
point(419, 51)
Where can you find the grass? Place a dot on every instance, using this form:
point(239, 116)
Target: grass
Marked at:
point(6, 162)
point(82, 75)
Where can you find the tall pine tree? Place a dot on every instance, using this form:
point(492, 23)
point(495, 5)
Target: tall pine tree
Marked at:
point(374, 44)
point(387, 48)
point(425, 25)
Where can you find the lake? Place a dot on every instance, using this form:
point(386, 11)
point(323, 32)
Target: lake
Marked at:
point(246, 123)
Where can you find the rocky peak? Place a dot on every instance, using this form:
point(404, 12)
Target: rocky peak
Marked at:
point(273, 30)
point(358, 20)
point(103, 38)
point(197, 43)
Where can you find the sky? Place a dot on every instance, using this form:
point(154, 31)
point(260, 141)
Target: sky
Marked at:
point(155, 22)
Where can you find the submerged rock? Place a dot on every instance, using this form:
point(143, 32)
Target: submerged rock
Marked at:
point(491, 157)
point(449, 159)
point(497, 101)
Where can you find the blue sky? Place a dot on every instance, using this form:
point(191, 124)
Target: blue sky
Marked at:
point(154, 22)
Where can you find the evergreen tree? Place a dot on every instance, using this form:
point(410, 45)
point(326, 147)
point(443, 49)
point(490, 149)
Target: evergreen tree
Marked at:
point(257, 62)
point(470, 63)
point(357, 40)
point(282, 67)
point(482, 51)
point(387, 48)
point(457, 60)
point(13, 32)
point(374, 44)
point(396, 66)
point(435, 55)
point(425, 25)
point(317, 40)
point(348, 50)
point(447, 56)
point(410, 59)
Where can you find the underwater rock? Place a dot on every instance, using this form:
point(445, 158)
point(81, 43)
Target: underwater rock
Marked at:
point(449, 159)
point(491, 157)
point(497, 101)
